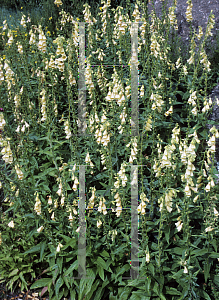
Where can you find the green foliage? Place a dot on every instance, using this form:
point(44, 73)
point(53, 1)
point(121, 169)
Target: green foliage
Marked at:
point(41, 249)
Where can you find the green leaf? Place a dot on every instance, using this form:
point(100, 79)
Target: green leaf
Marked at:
point(34, 249)
point(119, 249)
point(216, 279)
point(41, 283)
point(178, 250)
point(135, 296)
point(59, 263)
point(98, 295)
point(104, 253)
point(73, 294)
point(14, 272)
point(81, 293)
point(93, 289)
point(199, 252)
point(66, 282)
point(65, 237)
point(89, 281)
point(46, 152)
point(178, 275)
point(122, 270)
point(172, 291)
point(101, 262)
point(206, 296)
point(34, 137)
point(155, 288)
point(43, 246)
point(101, 272)
point(22, 278)
point(34, 161)
point(214, 255)
point(167, 234)
point(125, 294)
point(59, 283)
point(71, 268)
point(151, 268)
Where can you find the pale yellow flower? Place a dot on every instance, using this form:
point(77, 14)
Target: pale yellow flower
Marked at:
point(11, 224)
point(58, 248)
point(40, 229)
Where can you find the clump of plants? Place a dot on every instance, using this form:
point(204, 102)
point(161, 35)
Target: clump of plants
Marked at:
point(115, 156)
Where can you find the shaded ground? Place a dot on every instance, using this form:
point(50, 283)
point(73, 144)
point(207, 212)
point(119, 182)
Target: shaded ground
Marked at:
point(18, 295)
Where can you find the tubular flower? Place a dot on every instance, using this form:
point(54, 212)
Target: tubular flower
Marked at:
point(102, 207)
point(113, 233)
point(122, 175)
point(11, 224)
point(2, 121)
point(179, 224)
point(135, 178)
point(58, 2)
point(67, 130)
point(147, 256)
point(134, 150)
point(19, 172)
point(142, 206)
point(42, 41)
point(5, 25)
point(37, 206)
point(1, 74)
point(58, 248)
point(148, 125)
point(210, 25)
point(32, 38)
point(7, 153)
point(216, 212)
point(157, 102)
point(49, 200)
point(62, 200)
point(70, 217)
point(172, 16)
point(118, 204)
point(178, 64)
point(9, 72)
point(200, 34)
point(59, 192)
point(189, 11)
point(10, 35)
point(208, 229)
point(23, 23)
point(155, 47)
point(40, 229)
point(88, 160)
point(99, 223)
point(75, 187)
point(91, 200)
point(53, 216)
point(43, 107)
